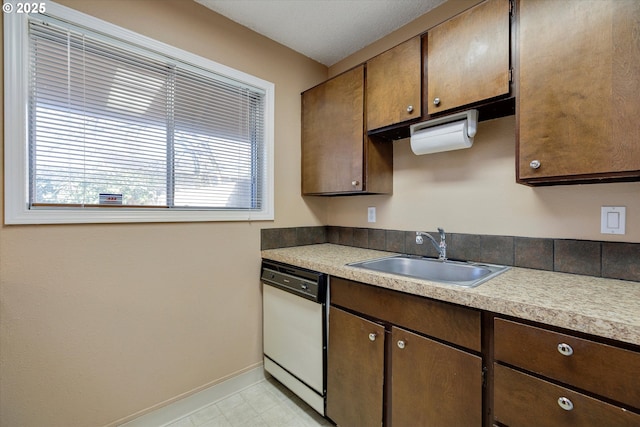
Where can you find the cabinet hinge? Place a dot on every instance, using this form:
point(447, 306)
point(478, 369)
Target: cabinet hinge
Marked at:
point(510, 75)
point(512, 7)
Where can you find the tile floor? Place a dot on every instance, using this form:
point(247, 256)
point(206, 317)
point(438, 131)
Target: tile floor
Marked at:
point(265, 404)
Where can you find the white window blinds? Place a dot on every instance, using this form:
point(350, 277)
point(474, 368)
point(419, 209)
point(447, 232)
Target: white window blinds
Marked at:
point(106, 118)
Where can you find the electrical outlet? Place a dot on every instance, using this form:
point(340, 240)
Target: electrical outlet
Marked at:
point(371, 214)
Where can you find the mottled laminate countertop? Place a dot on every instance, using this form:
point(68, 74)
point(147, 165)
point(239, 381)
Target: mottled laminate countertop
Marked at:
point(607, 308)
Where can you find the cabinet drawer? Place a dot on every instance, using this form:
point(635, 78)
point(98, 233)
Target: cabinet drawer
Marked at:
point(452, 323)
point(523, 400)
point(599, 368)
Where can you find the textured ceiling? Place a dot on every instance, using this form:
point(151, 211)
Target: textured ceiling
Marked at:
point(325, 30)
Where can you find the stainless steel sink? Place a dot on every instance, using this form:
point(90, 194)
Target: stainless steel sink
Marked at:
point(466, 274)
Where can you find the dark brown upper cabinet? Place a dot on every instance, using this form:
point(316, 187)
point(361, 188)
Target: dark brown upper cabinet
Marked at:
point(337, 155)
point(394, 82)
point(468, 57)
point(578, 103)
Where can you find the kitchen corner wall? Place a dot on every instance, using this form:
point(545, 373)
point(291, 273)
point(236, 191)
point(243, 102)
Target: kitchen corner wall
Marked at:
point(99, 323)
point(474, 190)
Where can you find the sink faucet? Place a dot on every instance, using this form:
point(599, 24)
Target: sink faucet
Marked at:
point(440, 247)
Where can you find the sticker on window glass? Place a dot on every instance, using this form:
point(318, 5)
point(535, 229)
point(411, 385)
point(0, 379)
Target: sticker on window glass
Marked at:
point(110, 199)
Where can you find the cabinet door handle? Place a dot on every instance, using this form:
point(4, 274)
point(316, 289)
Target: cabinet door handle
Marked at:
point(401, 344)
point(436, 101)
point(372, 336)
point(355, 183)
point(565, 403)
point(410, 109)
point(535, 164)
point(565, 349)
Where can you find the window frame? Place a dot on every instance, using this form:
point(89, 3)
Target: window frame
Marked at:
point(16, 145)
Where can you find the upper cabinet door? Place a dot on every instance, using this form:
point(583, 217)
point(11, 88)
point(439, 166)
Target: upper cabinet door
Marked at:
point(394, 85)
point(578, 103)
point(468, 57)
point(332, 135)
point(337, 156)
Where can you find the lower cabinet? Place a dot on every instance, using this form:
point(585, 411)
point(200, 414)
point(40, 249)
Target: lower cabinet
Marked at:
point(355, 372)
point(433, 384)
point(383, 373)
point(558, 379)
point(522, 400)
point(400, 360)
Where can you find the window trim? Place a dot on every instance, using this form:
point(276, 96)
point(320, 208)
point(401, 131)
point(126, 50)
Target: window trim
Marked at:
point(16, 92)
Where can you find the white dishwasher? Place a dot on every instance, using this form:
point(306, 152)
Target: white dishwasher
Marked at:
point(294, 307)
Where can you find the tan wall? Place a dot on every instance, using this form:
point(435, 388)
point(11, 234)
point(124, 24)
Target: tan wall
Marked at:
point(98, 322)
point(474, 190)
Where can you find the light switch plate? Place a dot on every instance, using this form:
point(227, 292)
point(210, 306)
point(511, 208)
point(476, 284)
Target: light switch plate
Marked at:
point(613, 219)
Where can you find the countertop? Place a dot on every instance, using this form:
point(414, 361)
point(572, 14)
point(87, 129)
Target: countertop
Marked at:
point(607, 308)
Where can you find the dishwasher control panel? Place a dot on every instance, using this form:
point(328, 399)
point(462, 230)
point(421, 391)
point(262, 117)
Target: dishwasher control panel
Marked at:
point(305, 283)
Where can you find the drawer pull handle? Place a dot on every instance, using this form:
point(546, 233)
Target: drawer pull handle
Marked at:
point(401, 344)
point(372, 336)
point(565, 349)
point(565, 403)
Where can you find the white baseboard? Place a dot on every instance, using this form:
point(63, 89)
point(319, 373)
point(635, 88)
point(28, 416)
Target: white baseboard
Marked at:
point(190, 404)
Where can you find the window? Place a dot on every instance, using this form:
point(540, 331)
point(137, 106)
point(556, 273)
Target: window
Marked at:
point(105, 125)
